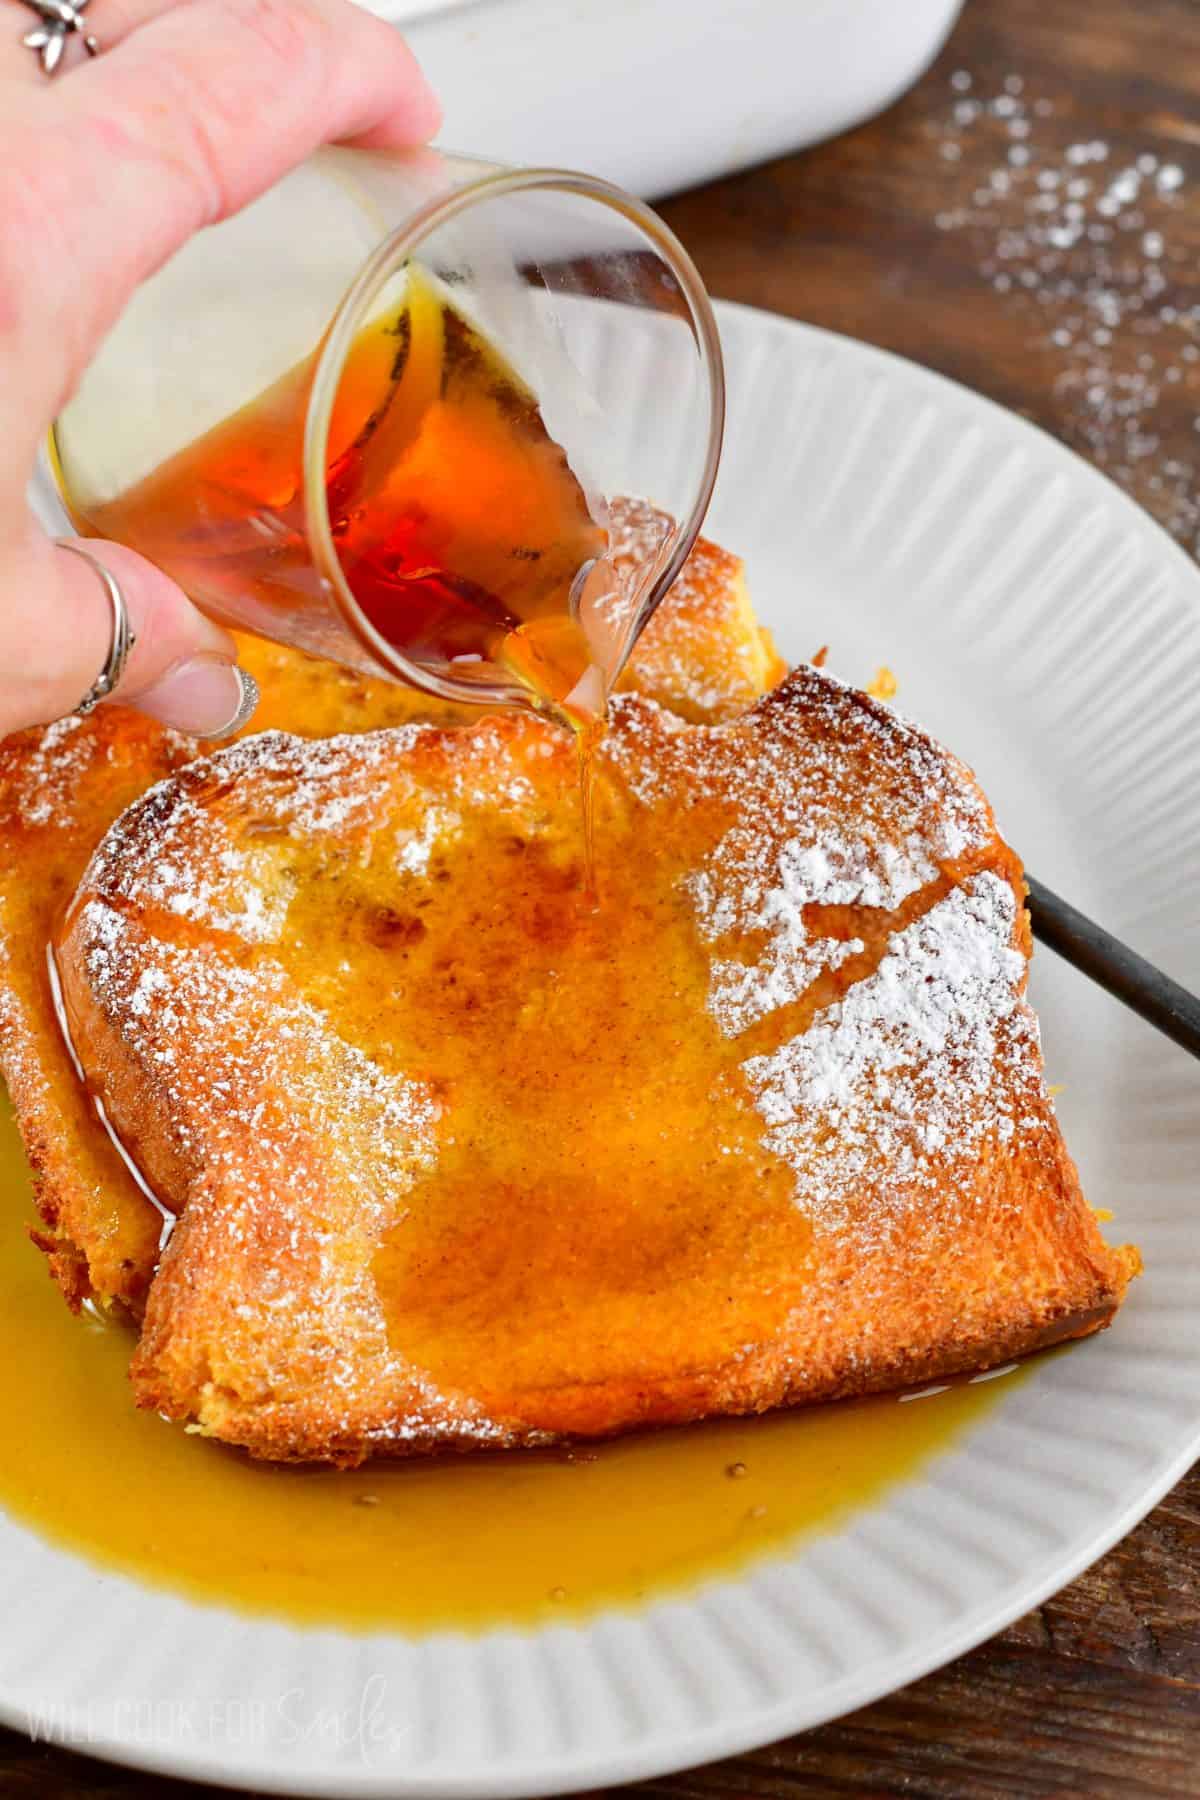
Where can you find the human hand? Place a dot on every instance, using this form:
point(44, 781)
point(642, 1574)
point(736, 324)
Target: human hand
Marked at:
point(192, 109)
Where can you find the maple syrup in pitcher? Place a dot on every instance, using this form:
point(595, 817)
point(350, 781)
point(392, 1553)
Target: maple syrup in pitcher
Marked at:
point(462, 531)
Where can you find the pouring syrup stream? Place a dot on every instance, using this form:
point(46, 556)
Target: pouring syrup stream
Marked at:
point(466, 538)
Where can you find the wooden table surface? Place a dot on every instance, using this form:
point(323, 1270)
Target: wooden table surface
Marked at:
point(1028, 221)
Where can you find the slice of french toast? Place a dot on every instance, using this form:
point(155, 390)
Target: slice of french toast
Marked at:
point(703, 655)
point(457, 1157)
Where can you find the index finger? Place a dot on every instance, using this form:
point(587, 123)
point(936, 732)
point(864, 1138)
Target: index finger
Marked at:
point(395, 124)
point(192, 114)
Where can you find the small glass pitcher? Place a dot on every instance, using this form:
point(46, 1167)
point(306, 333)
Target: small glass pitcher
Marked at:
point(581, 292)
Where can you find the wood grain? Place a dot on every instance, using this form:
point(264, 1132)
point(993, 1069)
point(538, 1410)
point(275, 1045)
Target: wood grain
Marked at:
point(1096, 1694)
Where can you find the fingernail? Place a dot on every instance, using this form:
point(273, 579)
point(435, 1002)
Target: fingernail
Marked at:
point(206, 697)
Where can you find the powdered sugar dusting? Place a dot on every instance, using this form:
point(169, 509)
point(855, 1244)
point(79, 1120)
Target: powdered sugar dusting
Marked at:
point(840, 804)
point(43, 771)
point(745, 890)
point(195, 861)
point(47, 770)
point(302, 1147)
point(417, 846)
point(192, 1016)
point(916, 1066)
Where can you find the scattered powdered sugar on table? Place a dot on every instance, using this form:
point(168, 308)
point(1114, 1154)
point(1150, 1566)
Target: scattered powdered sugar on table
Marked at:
point(1078, 233)
point(910, 1066)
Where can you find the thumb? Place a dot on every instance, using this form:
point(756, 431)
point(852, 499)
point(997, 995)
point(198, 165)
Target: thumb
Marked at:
point(56, 632)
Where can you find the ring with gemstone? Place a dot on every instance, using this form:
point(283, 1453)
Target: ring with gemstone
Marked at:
point(58, 22)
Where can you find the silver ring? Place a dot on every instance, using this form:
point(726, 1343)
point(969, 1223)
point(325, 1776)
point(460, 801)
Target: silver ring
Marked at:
point(58, 22)
point(123, 638)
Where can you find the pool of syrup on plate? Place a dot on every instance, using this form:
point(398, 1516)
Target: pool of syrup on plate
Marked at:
point(466, 1542)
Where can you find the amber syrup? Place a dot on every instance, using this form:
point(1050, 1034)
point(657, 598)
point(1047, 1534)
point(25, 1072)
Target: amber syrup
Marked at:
point(461, 528)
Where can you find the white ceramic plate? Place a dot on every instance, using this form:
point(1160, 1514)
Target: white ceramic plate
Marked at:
point(1042, 624)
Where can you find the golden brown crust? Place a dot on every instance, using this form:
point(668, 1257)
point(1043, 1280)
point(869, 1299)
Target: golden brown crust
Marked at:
point(59, 790)
point(458, 1161)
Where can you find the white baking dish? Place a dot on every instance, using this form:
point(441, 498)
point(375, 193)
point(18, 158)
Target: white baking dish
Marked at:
point(661, 94)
